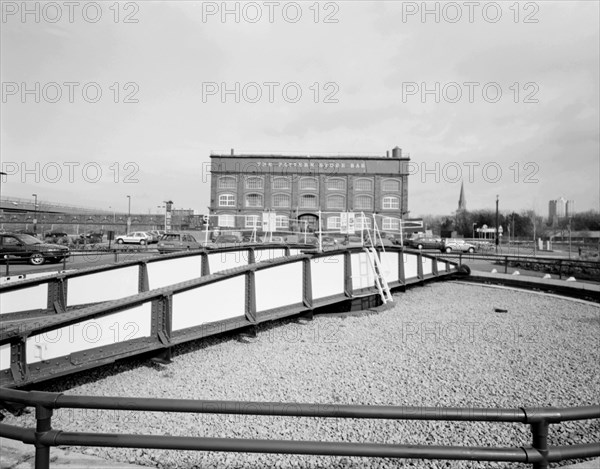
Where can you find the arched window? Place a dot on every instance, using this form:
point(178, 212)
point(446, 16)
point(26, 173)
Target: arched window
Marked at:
point(226, 182)
point(227, 200)
point(254, 182)
point(282, 183)
point(333, 223)
point(253, 221)
point(308, 184)
point(308, 201)
point(362, 223)
point(391, 203)
point(226, 221)
point(254, 200)
point(363, 202)
point(391, 224)
point(390, 185)
point(282, 201)
point(336, 202)
point(282, 222)
point(336, 184)
point(363, 185)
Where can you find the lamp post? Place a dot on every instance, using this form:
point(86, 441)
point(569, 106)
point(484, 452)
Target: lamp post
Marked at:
point(569, 237)
point(497, 237)
point(35, 214)
point(128, 213)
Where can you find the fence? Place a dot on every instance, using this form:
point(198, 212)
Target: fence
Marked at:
point(539, 454)
point(127, 322)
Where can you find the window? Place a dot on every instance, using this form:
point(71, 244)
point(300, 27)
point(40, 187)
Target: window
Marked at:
point(391, 203)
point(363, 202)
point(253, 221)
point(336, 184)
point(390, 185)
point(308, 184)
point(227, 200)
point(336, 201)
point(308, 201)
point(226, 220)
point(391, 224)
point(281, 183)
point(254, 183)
point(362, 223)
point(226, 182)
point(282, 201)
point(282, 222)
point(254, 200)
point(333, 223)
point(363, 185)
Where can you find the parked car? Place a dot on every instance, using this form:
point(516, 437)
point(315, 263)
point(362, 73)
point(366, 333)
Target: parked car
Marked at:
point(137, 237)
point(57, 237)
point(153, 237)
point(175, 241)
point(426, 243)
point(26, 246)
point(89, 238)
point(224, 241)
point(457, 245)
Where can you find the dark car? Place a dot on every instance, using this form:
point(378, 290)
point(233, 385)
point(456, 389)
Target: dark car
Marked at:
point(38, 252)
point(426, 243)
point(224, 241)
point(174, 242)
point(56, 237)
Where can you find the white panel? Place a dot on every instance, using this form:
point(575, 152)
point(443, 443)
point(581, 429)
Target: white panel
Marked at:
point(98, 332)
point(410, 266)
point(24, 299)
point(389, 262)
point(278, 286)
point(103, 286)
point(362, 271)
point(441, 267)
point(227, 260)
point(327, 276)
point(427, 266)
point(268, 254)
point(172, 271)
point(209, 303)
point(4, 356)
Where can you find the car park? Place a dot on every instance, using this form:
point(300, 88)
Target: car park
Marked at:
point(36, 251)
point(457, 245)
point(426, 243)
point(137, 237)
point(177, 241)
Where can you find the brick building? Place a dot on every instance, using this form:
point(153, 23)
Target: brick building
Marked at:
point(298, 188)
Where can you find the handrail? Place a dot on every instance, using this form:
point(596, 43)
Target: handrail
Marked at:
point(539, 454)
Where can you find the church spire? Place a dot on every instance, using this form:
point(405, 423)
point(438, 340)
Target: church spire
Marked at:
point(462, 203)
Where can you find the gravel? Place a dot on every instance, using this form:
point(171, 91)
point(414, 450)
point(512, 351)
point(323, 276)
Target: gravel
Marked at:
point(443, 344)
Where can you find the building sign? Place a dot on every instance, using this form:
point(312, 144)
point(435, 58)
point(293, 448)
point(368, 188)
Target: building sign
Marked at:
point(269, 221)
point(347, 223)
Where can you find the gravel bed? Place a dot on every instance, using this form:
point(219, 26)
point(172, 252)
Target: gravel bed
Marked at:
point(443, 344)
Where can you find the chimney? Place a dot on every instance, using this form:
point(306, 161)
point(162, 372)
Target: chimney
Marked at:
point(232, 152)
point(396, 152)
point(387, 154)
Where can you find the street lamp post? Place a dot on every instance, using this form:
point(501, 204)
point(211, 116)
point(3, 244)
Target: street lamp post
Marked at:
point(128, 213)
point(497, 237)
point(35, 214)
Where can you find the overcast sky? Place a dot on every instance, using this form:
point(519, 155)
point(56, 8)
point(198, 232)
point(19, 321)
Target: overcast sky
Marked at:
point(368, 66)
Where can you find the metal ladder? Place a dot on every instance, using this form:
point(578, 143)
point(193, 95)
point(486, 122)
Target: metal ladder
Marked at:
point(380, 281)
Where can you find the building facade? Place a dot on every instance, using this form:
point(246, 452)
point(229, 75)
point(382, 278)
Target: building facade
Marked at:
point(560, 208)
point(300, 189)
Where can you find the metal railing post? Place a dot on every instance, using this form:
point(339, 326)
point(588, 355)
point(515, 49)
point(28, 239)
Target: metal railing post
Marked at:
point(7, 266)
point(559, 269)
point(505, 264)
point(43, 416)
point(539, 432)
point(116, 256)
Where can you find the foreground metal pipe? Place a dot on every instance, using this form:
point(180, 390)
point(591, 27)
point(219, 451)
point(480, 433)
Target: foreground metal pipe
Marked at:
point(324, 448)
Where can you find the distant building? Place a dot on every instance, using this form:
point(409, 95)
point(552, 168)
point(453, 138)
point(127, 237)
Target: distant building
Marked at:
point(560, 208)
point(462, 202)
point(297, 189)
